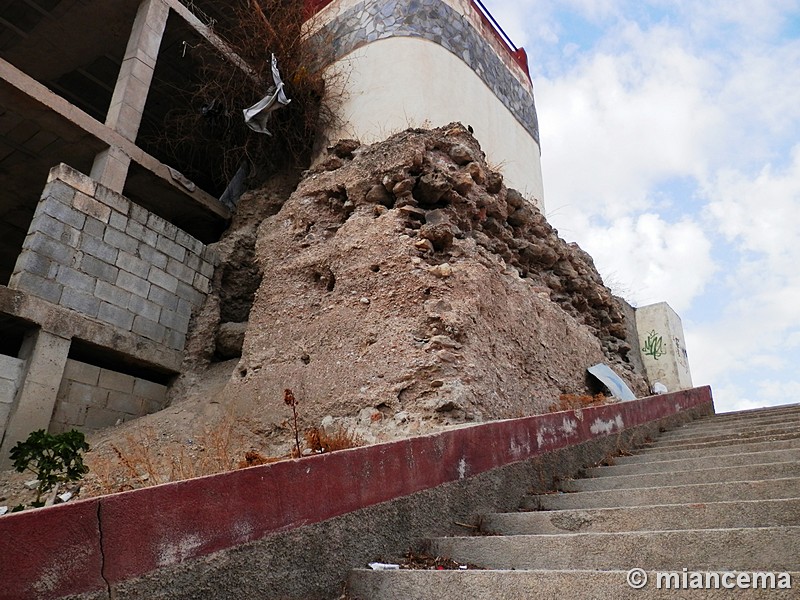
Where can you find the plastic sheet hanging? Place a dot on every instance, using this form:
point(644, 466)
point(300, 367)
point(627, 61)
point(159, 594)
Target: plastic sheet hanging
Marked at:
point(258, 115)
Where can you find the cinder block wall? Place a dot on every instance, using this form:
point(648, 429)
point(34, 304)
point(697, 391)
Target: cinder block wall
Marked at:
point(94, 251)
point(91, 397)
point(10, 374)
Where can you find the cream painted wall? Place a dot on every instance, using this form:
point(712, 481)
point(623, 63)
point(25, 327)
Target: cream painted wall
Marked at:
point(396, 83)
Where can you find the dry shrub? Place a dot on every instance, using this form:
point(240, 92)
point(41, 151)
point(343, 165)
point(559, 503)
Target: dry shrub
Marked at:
point(209, 131)
point(319, 440)
point(575, 401)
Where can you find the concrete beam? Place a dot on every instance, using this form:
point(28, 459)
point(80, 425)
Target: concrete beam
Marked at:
point(45, 356)
point(56, 105)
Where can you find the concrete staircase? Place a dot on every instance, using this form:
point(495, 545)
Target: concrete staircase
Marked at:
point(719, 494)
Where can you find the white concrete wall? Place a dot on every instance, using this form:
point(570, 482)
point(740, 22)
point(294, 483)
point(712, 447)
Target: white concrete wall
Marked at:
point(663, 346)
point(402, 82)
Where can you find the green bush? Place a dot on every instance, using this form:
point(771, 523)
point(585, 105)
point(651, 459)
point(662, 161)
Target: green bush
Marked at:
point(52, 458)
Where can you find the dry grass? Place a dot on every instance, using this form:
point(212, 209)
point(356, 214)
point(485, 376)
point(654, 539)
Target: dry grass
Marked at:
point(319, 440)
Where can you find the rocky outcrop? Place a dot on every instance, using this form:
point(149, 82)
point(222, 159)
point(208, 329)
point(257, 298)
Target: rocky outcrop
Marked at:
point(403, 286)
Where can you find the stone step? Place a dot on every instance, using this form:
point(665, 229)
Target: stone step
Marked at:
point(756, 412)
point(706, 462)
point(651, 456)
point(744, 436)
point(713, 475)
point(537, 585)
point(711, 515)
point(689, 445)
point(679, 494)
point(752, 549)
point(674, 436)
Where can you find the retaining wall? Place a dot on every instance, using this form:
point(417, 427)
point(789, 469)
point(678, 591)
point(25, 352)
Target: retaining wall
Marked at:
point(10, 372)
point(295, 528)
point(91, 397)
point(93, 251)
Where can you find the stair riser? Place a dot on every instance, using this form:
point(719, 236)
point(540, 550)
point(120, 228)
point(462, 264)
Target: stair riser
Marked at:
point(745, 473)
point(709, 462)
point(783, 433)
point(655, 447)
point(524, 585)
point(689, 431)
point(715, 515)
point(770, 549)
point(688, 494)
point(706, 436)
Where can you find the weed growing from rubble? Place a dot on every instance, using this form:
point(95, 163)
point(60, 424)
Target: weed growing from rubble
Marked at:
point(290, 400)
point(54, 459)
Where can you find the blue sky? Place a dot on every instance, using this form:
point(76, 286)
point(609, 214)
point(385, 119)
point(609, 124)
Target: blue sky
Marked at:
point(671, 153)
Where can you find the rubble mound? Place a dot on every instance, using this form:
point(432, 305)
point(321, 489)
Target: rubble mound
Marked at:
point(403, 287)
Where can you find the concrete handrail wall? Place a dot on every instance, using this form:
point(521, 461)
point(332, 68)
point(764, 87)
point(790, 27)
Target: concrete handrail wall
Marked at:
point(92, 545)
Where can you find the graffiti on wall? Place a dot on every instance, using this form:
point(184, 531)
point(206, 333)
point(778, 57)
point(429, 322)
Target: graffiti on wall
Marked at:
point(654, 345)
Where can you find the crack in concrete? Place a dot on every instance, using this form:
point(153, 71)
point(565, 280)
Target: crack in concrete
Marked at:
point(111, 594)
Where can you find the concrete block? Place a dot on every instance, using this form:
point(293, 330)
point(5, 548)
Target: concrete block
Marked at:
point(98, 248)
point(148, 252)
point(163, 280)
point(50, 226)
point(145, 236)
point(110, 170)
point(10, 367)
point(114, 380)
point(663, 347)
point(76, 179)
point(65, 214)
point(149, 329)
point(133, 264)
point(125, 403)
point(8, 389)
point(5, 412)
point(145, 308)
point(99, 269)
point(202, 284)
point(55, 250)
point(91, 207)
point(210, 255)
point(98, 418)
point(187, 292)
point(69, 414)
point(81, 302)
point(132, 283)
point(73, 279)
point(112, 294)
point(85, 395)
point(58, 191)
point(176, 340)
point(180, 271)
point(149, 390)
point(118, 221)
point(192, 244)
point(164, 228)
point(94, 227)
point(173, 320)
point(114, 200)
point(81, 372)
point(120, 240)
point(163, 298)
point(170, 248)
point(152, 406)
point(184, 308)
point(47, 289)
point(138, 213)
point(37, 264)
point(115, 315)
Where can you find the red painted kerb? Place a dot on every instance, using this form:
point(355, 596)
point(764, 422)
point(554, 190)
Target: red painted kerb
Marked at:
point(520, 56)
point(86, 546)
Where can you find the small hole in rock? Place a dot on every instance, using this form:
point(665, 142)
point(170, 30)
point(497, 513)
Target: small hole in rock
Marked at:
point(375, 268)
point(243, 373)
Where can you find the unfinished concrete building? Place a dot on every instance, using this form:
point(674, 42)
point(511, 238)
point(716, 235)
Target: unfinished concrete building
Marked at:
point(103, 238)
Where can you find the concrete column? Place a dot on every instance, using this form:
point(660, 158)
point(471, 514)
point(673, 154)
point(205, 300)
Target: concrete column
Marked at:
point(663, 347)
point(110, 169)
point(136, 74)
point(45, 356)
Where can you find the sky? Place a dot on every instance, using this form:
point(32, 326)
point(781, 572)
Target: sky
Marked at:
point(670, 134)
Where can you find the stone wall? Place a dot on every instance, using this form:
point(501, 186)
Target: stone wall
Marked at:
point(95, 252)
point(10, 373)
point(91, 397)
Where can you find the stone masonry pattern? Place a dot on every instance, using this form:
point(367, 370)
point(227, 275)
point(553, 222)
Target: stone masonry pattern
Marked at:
point(437, 22)
point(95, 252)
point(91, 397)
